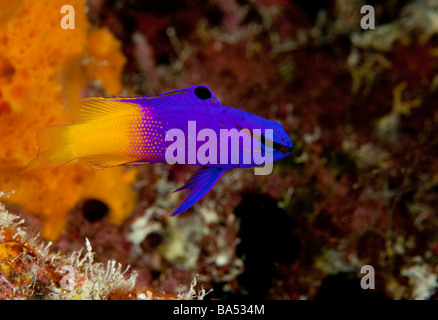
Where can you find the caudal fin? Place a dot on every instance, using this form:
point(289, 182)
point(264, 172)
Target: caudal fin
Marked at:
point(98, 135)
point(54, 148)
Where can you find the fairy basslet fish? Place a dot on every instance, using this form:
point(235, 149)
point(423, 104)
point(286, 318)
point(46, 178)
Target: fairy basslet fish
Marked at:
point(188, 126)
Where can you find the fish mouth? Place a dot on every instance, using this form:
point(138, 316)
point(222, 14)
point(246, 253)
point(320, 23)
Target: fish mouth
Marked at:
point(285, 149)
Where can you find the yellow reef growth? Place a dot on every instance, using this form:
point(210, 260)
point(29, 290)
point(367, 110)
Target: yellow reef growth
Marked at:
point(43, 67)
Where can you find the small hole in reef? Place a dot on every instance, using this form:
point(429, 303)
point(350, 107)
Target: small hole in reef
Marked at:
point(94, 210)
point(7, 70)
point(202, 93)
point(151, 241)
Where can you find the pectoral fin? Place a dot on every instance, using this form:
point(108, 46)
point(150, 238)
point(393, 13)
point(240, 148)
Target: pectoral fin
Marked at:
point(199, 185)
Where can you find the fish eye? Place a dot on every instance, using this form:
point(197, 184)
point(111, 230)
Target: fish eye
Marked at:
point(202, 93)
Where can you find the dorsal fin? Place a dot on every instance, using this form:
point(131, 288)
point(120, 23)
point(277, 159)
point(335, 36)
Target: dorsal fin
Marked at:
point(91, 109)
point(194, 95)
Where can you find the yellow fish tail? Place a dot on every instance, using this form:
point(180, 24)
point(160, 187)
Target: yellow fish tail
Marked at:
point(99, 135)
point(54, 148)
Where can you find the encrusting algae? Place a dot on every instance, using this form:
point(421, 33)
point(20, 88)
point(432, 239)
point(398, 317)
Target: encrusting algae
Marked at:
point(43, 68)
point(31, 271)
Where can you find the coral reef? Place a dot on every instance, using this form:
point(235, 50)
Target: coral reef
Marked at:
point(29, 270)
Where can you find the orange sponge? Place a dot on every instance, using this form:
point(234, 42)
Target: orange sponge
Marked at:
point(42, 68)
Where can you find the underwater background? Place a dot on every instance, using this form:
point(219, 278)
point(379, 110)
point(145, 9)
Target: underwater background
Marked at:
point(359, 189)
